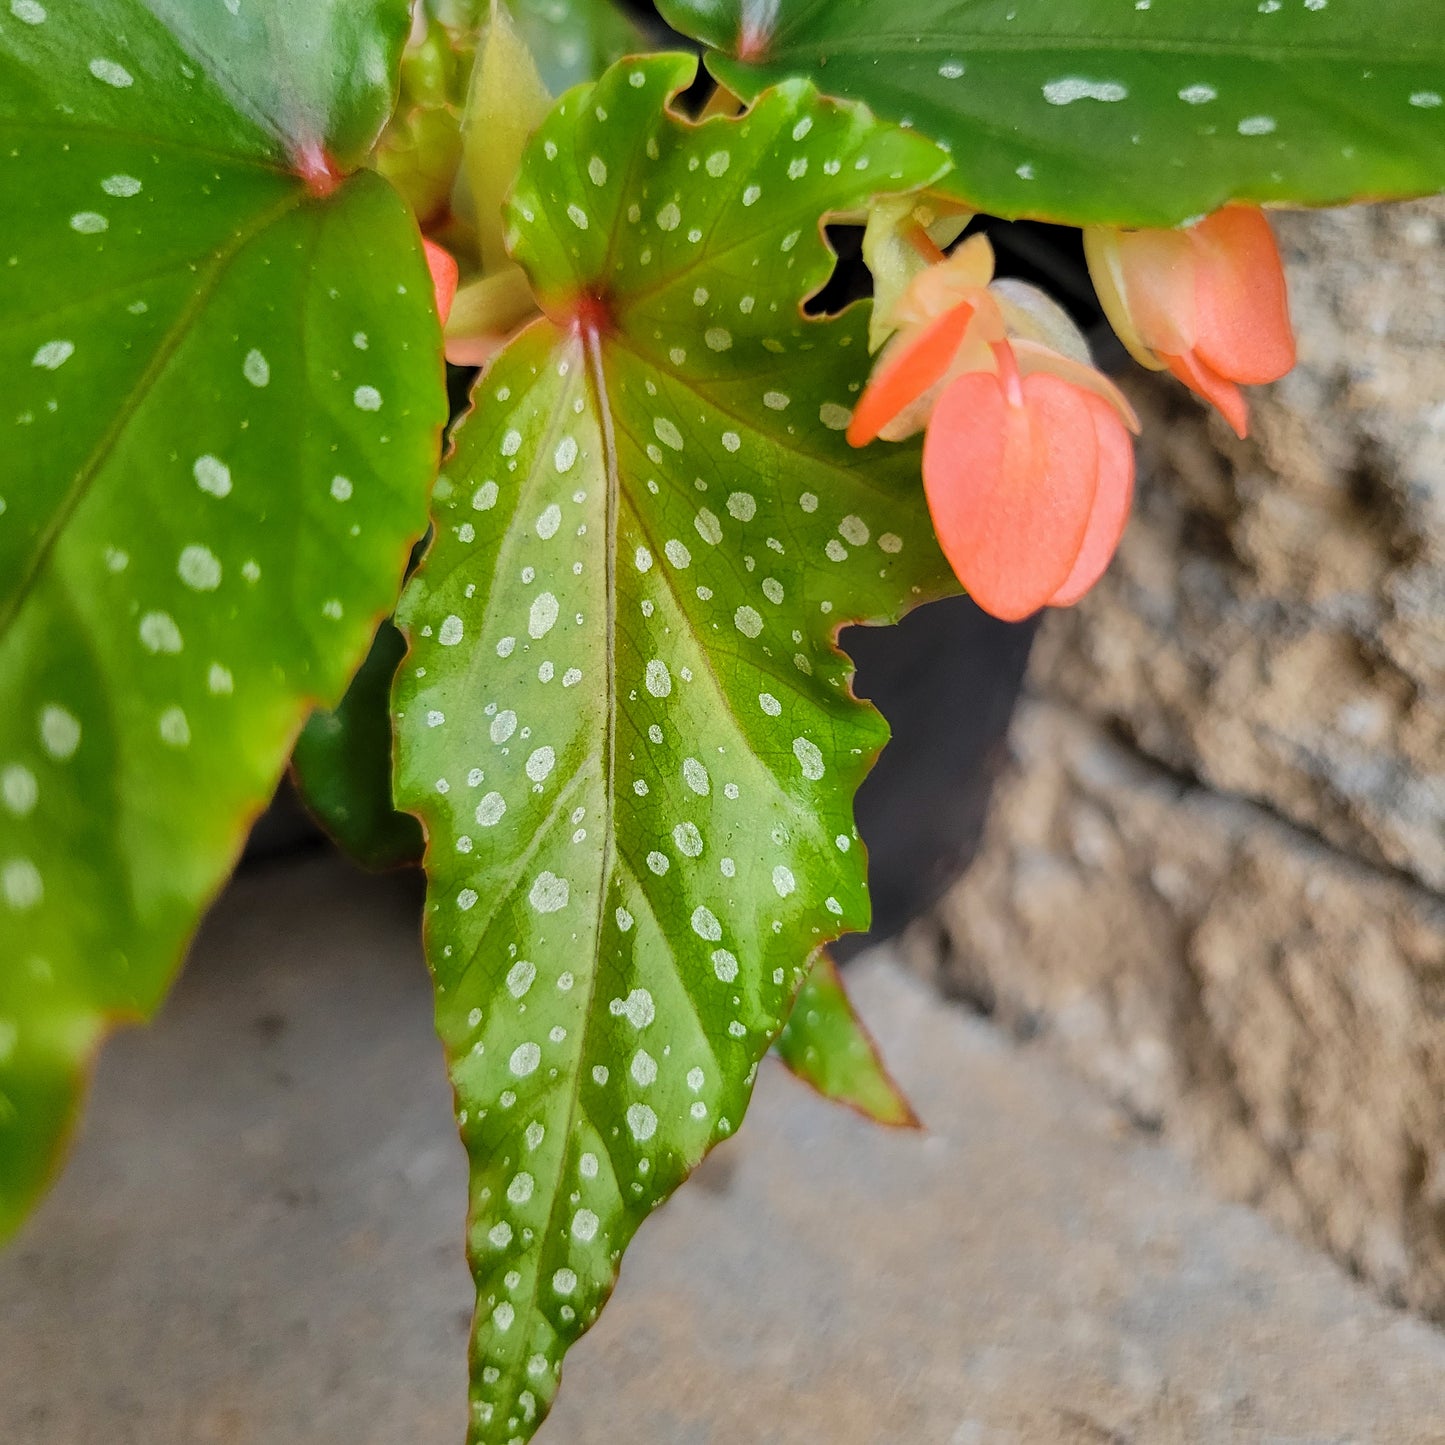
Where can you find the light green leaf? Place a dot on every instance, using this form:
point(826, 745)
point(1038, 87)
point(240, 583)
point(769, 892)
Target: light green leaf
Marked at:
point(1116, 112)
point(222, 402)
point(624, 721)
point(571, 40)
point(825, 1044)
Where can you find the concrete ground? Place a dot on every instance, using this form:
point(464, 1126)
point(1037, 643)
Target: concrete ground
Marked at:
point(257, 1243)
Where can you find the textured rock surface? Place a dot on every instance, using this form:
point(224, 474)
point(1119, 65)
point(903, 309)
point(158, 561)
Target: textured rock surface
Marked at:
point(258, 1244)
point(1278, 1007)
point(1275, 623)
point(1268, 981)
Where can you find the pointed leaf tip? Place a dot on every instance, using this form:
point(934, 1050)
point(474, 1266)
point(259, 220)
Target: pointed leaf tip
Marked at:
point(826, 1045)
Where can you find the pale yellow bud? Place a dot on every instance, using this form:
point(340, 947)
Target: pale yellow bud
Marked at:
point(507, 102)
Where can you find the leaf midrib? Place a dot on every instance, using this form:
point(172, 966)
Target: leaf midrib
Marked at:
point(598, 381)
point(240, 159)
point(986, 41)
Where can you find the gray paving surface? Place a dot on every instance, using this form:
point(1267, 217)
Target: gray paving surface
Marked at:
point(257, 1244)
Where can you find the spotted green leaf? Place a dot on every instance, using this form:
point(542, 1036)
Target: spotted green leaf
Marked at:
point(624, 721)
point(342, 764)
point(826, 1045)
point(222, 401)
point(1122, 112)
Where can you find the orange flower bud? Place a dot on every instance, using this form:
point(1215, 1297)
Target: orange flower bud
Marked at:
point(1207, 303)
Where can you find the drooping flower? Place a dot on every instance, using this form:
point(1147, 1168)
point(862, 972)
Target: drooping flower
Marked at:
point(1207, 303)
point(1028, 467)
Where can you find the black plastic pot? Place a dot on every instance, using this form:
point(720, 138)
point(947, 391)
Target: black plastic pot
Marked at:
point(946, 678)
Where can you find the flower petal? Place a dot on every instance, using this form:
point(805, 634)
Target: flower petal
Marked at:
point(1158, 272)
point(444, 276)
point(1033, 359)
point(1104, 253)
point(1222, 393)
point(1011, 488)
point(1032, 315)
point(1113, 497)
point(1243, 329)
point(943, 286)
point(914, 362)
point(901, 232)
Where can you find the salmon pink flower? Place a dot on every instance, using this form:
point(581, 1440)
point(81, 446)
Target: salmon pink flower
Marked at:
point(1027, 462)
point(1207, 303)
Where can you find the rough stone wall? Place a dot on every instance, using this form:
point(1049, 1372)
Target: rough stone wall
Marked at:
point(1216, 869)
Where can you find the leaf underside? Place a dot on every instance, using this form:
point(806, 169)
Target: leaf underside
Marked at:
point(624, 721)
point(222, 407)
point(1118, 113)
point(343, 762)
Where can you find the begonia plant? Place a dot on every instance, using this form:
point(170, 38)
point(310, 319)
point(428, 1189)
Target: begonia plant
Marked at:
point(577, 653)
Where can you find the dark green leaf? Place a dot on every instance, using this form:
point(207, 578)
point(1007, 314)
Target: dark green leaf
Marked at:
point(625, 722)
point(825, 1044)
point(342, 765)
point(1122, 112)
point(222, 405)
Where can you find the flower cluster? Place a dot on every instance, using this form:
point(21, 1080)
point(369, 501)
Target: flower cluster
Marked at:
point(1028, 465)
